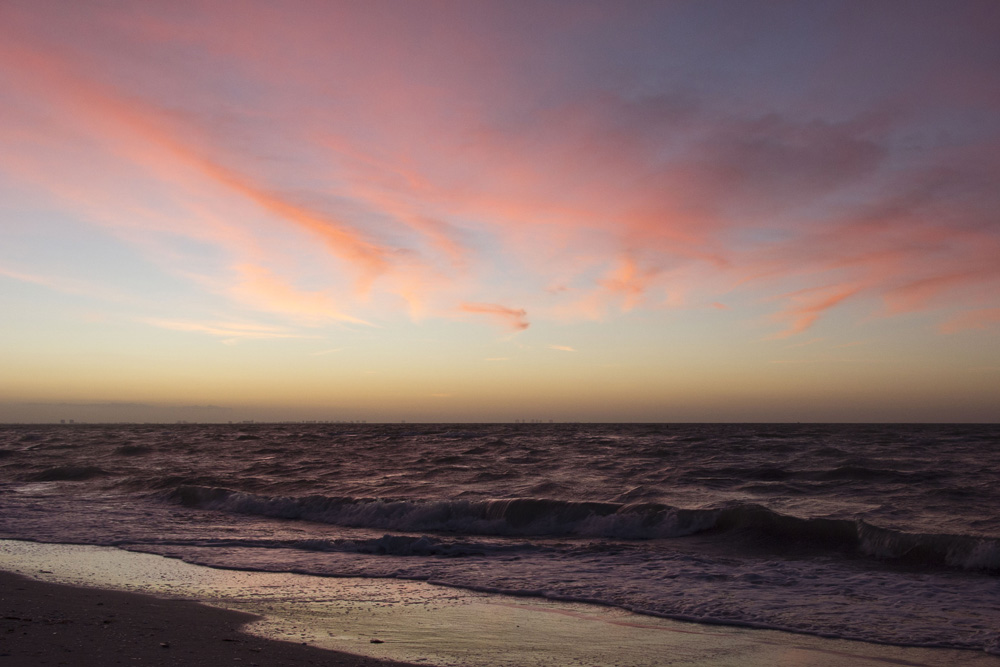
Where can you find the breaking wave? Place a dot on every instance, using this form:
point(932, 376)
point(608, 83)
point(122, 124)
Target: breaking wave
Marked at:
point(747, 523)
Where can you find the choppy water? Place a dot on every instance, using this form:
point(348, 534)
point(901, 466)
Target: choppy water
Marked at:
point(880, 533)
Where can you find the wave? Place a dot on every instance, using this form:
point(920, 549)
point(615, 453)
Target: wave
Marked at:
point(963, 551)
point(506, 517)
point(741, 523)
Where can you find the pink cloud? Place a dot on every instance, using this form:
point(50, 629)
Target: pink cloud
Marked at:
point(514, 318)
point(808, 305)
point(347, 178)
point(164, 152)
point(983, 318)
point(630, 281)
point(259, 287)
point(919, 294)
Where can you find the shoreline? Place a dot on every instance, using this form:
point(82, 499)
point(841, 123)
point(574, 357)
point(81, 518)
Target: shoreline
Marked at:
point(46, 623)
point(302, 620)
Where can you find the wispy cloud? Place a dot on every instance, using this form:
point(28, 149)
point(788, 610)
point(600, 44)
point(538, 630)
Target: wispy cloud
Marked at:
point(808, 305)
point(230, 331)
point(68, 285)
point(513, 318)
point(261, 288)
point(562, 348)
point(972, 319)
point(373, 178)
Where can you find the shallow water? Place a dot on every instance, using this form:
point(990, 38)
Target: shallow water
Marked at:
point(880, 533)
point(421, 623)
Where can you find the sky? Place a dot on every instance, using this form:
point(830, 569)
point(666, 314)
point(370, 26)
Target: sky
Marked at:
point(497, 211)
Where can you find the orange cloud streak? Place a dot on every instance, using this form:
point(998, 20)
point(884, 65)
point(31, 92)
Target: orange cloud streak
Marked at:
point(809, 305)
point(974, 319)
point(259, 287)
point(424, 185)
point(514, 318)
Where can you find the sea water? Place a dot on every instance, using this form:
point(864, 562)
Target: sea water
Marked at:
point(882, 533)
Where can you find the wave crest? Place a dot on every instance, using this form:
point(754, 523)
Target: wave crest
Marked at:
point(535, 517)
point(506, 517)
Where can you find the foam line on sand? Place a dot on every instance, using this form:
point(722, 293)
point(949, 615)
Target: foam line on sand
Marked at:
point(413, 621)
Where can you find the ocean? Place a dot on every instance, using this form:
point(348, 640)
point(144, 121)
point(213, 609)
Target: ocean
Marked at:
point(880, 533)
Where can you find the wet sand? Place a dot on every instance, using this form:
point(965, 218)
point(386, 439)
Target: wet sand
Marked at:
point(93, 607)
point(53, 624)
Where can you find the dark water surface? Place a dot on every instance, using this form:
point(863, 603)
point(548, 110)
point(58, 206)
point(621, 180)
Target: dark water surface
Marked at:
point(883, 533)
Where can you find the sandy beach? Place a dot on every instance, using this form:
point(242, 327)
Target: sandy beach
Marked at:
point(79, 605)
point(51, 624)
